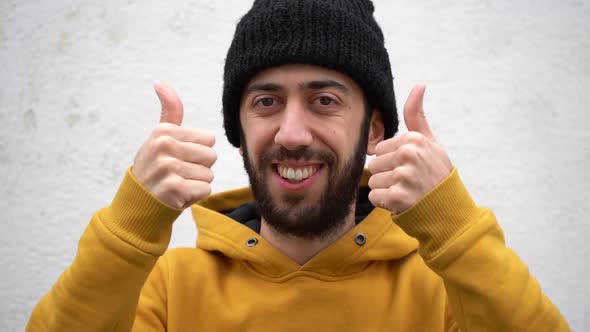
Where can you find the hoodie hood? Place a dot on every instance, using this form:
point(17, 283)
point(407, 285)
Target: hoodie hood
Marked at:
point(228, 222)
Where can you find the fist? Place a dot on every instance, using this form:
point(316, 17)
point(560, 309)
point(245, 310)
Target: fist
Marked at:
point(409, 166)
point(175, 163)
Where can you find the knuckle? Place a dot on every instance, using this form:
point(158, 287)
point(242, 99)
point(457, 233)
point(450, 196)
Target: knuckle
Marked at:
point(169, 191)
point(167, 165)
point(402, 173)
point(407, 152)
point(416, 137)
point(163, 143)
point(173, 185)
point(163, 129)
point(392, 160)
point(395, 176)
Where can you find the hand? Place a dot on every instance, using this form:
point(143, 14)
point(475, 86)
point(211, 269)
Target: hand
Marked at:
point(175, 163)
point(409, 166)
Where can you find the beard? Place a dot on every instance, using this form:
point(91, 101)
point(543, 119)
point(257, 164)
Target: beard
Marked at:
point(329, 212)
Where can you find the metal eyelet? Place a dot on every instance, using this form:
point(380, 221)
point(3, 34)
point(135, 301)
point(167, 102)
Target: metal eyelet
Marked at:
point(251, 242)
point(360, 239)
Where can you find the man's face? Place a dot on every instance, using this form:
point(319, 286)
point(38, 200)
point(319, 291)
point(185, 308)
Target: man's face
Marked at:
point(304, 139)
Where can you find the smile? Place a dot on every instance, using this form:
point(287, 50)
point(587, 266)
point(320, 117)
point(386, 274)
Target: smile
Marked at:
point(296, 173)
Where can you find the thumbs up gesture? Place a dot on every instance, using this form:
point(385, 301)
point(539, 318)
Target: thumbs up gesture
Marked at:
point(175, 163)
point(409, 166)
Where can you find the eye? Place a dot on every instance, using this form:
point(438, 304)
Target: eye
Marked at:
point(266, 101)
point(325, 101)
point(266, 104)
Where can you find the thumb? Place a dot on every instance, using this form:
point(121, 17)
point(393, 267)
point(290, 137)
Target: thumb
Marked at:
point(414, 116)
point(172, 109)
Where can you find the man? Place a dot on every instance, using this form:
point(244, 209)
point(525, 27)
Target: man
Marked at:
point(316, 243)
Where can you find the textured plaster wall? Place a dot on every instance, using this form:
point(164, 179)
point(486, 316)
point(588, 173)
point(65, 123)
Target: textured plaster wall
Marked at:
point(508, 96)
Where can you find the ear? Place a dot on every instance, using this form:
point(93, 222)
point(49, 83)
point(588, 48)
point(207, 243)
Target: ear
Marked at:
point(241, 151)
point(376, 132)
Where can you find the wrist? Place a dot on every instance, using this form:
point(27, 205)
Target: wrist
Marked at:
point(439, 216)
point(139, 218)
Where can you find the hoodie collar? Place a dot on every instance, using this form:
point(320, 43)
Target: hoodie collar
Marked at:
point(226, 223)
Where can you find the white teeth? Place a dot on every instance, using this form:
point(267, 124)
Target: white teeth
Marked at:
point(296, 174)
point(305, 173)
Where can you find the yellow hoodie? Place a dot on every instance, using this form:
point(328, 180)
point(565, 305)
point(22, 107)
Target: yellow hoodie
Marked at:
point(457, 276)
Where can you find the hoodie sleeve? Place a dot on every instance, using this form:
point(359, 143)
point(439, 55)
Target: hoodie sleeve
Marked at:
point(488, 287)
point(116, 253)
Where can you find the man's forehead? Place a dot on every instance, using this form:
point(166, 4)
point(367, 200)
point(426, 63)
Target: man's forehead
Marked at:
point(300, 76)
point(307, 85)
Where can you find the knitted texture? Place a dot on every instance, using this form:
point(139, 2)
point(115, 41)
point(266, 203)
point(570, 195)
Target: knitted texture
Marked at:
point(337, 34)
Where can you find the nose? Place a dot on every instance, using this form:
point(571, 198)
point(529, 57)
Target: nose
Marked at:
point(294, 131)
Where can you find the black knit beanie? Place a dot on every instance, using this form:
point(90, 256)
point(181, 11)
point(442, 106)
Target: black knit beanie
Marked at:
point(337, 34)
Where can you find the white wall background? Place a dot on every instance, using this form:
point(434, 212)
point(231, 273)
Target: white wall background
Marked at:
point(508, 96)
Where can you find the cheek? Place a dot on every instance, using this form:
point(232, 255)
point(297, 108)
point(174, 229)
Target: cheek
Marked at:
point(336, 140)
point(258, 137)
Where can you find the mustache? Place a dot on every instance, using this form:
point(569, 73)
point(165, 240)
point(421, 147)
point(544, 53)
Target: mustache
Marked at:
point(280, 153)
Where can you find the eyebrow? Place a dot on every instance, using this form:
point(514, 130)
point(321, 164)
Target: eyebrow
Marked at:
point(312, 85)
point(318, 85)
point(271, 87)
